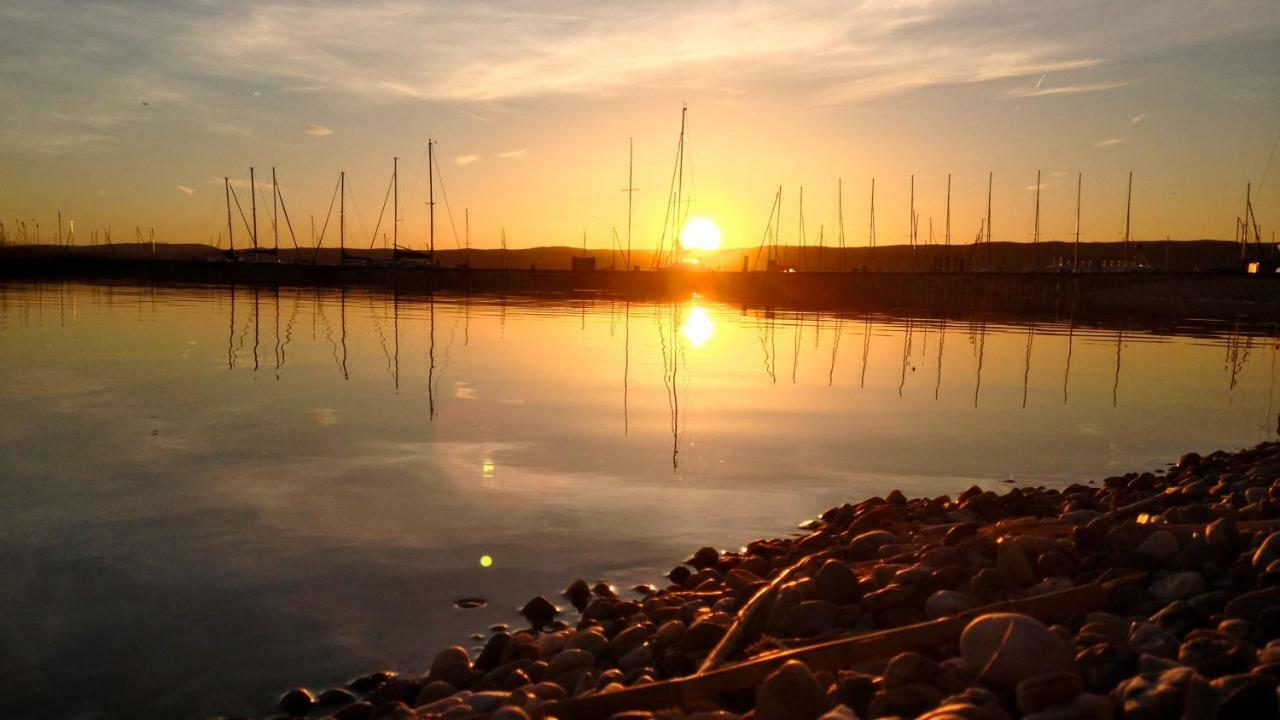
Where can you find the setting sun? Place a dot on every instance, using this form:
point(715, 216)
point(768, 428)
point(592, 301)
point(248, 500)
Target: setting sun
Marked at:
point(701, 234)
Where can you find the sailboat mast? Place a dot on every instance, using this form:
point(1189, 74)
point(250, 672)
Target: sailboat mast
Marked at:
point(989, 177)
point(948, 209)
point(871, 236)
point(275, 210)
point(631, 189)
point(1035, 237)
point(840, 213)
point(253, 198)
point(431, 199)
point(679, 245)
point(1127, 206)
point(342, 214)
point(231, 237)
point(1075, 264)
point(395, 206)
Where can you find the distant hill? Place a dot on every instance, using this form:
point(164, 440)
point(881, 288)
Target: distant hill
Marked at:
point(1177, 256)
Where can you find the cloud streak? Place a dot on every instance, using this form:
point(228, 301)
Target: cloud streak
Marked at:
point(185, 190)
point(1064, 89)
point(317, 130)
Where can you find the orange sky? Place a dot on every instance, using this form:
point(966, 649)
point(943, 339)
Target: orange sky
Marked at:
point(131, 115)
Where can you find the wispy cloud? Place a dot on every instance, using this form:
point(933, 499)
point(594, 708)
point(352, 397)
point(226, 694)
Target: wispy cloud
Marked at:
point(1139, 118)
point(520, 154)
point(1064, 89)
point(185, 190)
point(1108, 142)
point(465, 160)
point(317, 130)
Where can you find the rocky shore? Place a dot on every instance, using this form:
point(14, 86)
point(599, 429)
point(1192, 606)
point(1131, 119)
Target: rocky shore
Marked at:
point(1144, 596)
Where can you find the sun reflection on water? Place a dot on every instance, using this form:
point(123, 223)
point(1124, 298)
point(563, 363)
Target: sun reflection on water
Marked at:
point(698, 327)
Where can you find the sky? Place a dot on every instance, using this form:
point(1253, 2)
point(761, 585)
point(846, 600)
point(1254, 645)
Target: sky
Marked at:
point(130, 114)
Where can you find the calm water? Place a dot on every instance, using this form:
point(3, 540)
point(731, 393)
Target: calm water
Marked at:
point(211, 495)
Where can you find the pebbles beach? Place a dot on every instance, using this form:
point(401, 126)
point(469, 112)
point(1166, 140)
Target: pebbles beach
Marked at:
point(1149, 595)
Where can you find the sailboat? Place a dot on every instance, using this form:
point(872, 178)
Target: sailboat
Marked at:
point(260, 253)
point(677, 213)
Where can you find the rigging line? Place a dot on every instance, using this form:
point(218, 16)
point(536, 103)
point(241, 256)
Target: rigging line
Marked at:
point(448, 210)
point(767, 228)
point(241, 210)
point(325, 228)
point(382, 213)
point(666, 216)
point(287, 223)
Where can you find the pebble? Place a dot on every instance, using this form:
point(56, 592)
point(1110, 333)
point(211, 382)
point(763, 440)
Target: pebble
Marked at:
point(946, 602)
point(1037, 693)
point(1268, 552)
point(1081, 707)
point(837, 584)
point(1007, 648)
point(1161, 546)
point(1178, 586)
point(297, 702)
point(452, 665)
point(791, 693)
point(539, 611)
point(1174, 693)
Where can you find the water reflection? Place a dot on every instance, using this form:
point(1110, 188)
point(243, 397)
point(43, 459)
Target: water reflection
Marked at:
point(322, 525)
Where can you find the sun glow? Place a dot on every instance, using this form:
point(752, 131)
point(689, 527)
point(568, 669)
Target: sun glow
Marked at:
point(698, 327)
point(700, 234)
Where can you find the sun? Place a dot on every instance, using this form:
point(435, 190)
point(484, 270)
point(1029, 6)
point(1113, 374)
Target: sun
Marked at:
point(700, 234)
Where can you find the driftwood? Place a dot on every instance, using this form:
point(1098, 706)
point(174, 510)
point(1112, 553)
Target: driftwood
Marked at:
point(754, 608)
point(827, 655)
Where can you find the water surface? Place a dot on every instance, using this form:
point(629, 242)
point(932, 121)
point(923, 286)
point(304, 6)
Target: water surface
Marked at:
point(213, 494)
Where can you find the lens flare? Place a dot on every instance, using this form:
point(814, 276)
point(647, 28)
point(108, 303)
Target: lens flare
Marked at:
point(698, 327)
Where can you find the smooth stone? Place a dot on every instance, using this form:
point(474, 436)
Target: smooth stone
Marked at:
point(591, 640)
point(336, 696)
point(509, 712)
point(1247, 696)
point(578, 593)
point(839, 712)
point(791, 693)
point(1176, 693)
point(1178, 586)
point(1212, 653)
point(837, 584)
point(1160, 545)
point(486, 702)
point(911, 667)
point(539, 611)
point(1042, 691)
point(1267, 552)
point(567, 660)
point(1152, 639)
point(809, 618)
point(637, 657)
point(355, 711)
point(908, 700)
point(1007, 648)
point(957, 711)
point(946, 602)
point(705, 557)
point(452, 665)
point(629, 639)
point(866, 545)
point(1082, 707)
point(702, 636)
point(297, 702)
point(1012, 561)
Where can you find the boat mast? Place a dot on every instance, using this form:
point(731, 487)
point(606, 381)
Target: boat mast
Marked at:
point(395, 206)
point(911, 228)
point(840, 213)
point(631, 165)
point(342, 215)
point(989, 176)
point(679, 246)
point(1075, 263)
point(275, 210)
point(431, 200)
point(871, 237)
point(1035, 237)
point(253, 198)
point(231, 236)
point(1127, 206)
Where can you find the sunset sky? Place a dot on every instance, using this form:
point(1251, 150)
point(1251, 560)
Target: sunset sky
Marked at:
point(131, 113)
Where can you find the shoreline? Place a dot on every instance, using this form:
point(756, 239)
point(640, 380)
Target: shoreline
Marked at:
point(1153, 295)
point(1153, 594)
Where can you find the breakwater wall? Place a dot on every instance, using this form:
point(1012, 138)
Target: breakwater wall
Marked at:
point(1168, 295)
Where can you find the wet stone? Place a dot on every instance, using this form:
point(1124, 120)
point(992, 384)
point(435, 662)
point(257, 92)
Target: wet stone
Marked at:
point(539, 611)
point(1042, 691)
point(335, 696)
point(297, 702)
point(837, 584)
point(791, 693)
point(1007, 648)
point(1175, 693)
